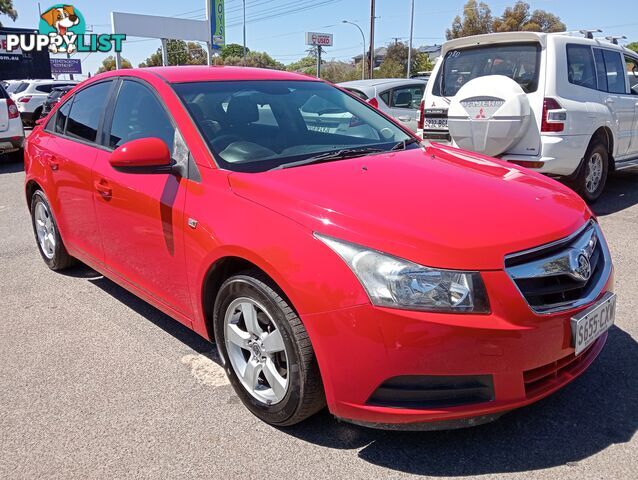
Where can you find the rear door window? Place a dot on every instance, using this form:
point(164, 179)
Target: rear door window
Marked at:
point(615, 67)
point(580, 66)
point(86, 111)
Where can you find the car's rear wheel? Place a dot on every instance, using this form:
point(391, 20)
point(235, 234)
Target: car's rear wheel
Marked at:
point(592, 178)
point(266, 351)
point(47, 235)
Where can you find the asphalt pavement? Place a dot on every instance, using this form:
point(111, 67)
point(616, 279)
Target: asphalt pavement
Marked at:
point(95, 383)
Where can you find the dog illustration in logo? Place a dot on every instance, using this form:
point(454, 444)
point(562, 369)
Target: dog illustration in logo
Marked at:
point(61, 19)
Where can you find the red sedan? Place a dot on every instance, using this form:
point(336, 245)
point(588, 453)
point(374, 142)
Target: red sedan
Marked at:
point(331, 256)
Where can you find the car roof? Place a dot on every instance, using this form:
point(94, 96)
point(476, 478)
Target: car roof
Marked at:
point(540, 37)
point(204, 73)
point(385, 82)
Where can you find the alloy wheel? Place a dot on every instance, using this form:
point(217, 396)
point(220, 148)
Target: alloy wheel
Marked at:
point(45, 229)
point(256, 350)
point(594, 172)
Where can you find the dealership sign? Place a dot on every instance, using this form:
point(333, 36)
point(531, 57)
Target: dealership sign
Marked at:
point(65, 65)
point(8, 56)
point(319, 39)
point(217, 23)
point(63, 29)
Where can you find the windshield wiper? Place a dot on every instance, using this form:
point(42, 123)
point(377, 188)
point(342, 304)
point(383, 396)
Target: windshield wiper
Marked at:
point(329, 156)
point(403, 144)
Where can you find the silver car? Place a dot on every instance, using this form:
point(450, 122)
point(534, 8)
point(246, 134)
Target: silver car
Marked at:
point(399, 98)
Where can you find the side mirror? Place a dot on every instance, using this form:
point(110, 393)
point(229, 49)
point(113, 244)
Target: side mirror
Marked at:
point(144, 155)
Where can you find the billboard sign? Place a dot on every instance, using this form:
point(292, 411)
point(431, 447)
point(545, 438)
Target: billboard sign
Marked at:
point(14, 55)
point(217, 23)
point(65, 65)
point(319, 39)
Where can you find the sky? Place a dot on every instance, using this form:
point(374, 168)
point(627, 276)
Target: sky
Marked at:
point(278, 26)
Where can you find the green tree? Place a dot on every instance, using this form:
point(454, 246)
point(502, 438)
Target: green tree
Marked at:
point(337, 72)
point(633, 46)
point(179, 53)
point(254, 59)
point(306, 65)
point(6, 8)
point(477, 19)
point(395, 63)
point(233, 50)
point(108, 64)
point(518, 18)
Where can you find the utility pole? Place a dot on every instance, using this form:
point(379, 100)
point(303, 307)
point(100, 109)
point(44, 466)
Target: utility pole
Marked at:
point(318, 61)
point(410, 41)
point(244, 1)
point(372, 56)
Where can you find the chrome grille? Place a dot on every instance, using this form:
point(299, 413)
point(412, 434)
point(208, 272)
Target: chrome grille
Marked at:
point(564, 274)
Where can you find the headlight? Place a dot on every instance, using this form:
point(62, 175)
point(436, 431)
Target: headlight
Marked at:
point(397, 283)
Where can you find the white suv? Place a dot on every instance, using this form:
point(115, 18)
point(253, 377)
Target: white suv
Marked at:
point(31, 94)
point(11, 131)
point(560, 104)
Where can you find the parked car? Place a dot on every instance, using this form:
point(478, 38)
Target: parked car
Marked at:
point(11, 131)
point(559, 104)
point(30, 96)
point(56, 95)
point(399, 98)
point(402, 286)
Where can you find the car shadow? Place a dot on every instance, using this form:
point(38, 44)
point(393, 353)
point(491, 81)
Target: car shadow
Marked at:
point(8, 165)
point(597, 410)
point(621, 192)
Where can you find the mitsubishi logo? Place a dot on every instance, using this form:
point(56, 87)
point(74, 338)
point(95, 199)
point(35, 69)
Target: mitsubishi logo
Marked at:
point(582, 269)
point(481, 114)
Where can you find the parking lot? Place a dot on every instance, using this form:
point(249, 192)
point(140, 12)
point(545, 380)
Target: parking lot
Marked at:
point(97, 383)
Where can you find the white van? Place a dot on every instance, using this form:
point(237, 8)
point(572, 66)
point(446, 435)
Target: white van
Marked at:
point(562, 104)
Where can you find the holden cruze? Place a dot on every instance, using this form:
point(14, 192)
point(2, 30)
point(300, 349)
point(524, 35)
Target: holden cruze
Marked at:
point(343, 264)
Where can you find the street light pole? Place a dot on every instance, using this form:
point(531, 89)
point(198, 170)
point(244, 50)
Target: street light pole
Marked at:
point(363, 57)
point(410, 43)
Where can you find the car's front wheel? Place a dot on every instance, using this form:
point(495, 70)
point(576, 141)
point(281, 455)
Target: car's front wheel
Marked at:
point(47, 235)
point(593, 174)
point(266, 351)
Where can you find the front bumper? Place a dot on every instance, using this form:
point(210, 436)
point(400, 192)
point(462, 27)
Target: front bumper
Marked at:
point(526, 356)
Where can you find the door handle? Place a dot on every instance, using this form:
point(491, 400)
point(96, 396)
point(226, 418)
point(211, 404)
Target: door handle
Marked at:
point(405, 119)
point(103, 189)
point(51, 161)
point(609, 101)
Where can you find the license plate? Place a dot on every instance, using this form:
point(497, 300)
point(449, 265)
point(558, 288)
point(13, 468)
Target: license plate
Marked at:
point(434, 123)
point(590, 324)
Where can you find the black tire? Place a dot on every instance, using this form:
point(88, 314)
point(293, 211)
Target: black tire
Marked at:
point(59, 258)
point(305, 394)
point(583, 182)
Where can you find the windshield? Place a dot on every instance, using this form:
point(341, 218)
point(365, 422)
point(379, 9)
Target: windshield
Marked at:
point(520, 62)
point(253, 126)
point(21, 87)
point(13, 86)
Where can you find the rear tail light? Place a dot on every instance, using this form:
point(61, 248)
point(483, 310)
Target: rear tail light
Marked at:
point(374, 102)
point(554, 116)
point(13, 110)
point(25, 99)
point(421, 117)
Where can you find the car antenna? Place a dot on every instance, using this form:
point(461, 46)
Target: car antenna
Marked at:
point(614, 38)
point(590, 33)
